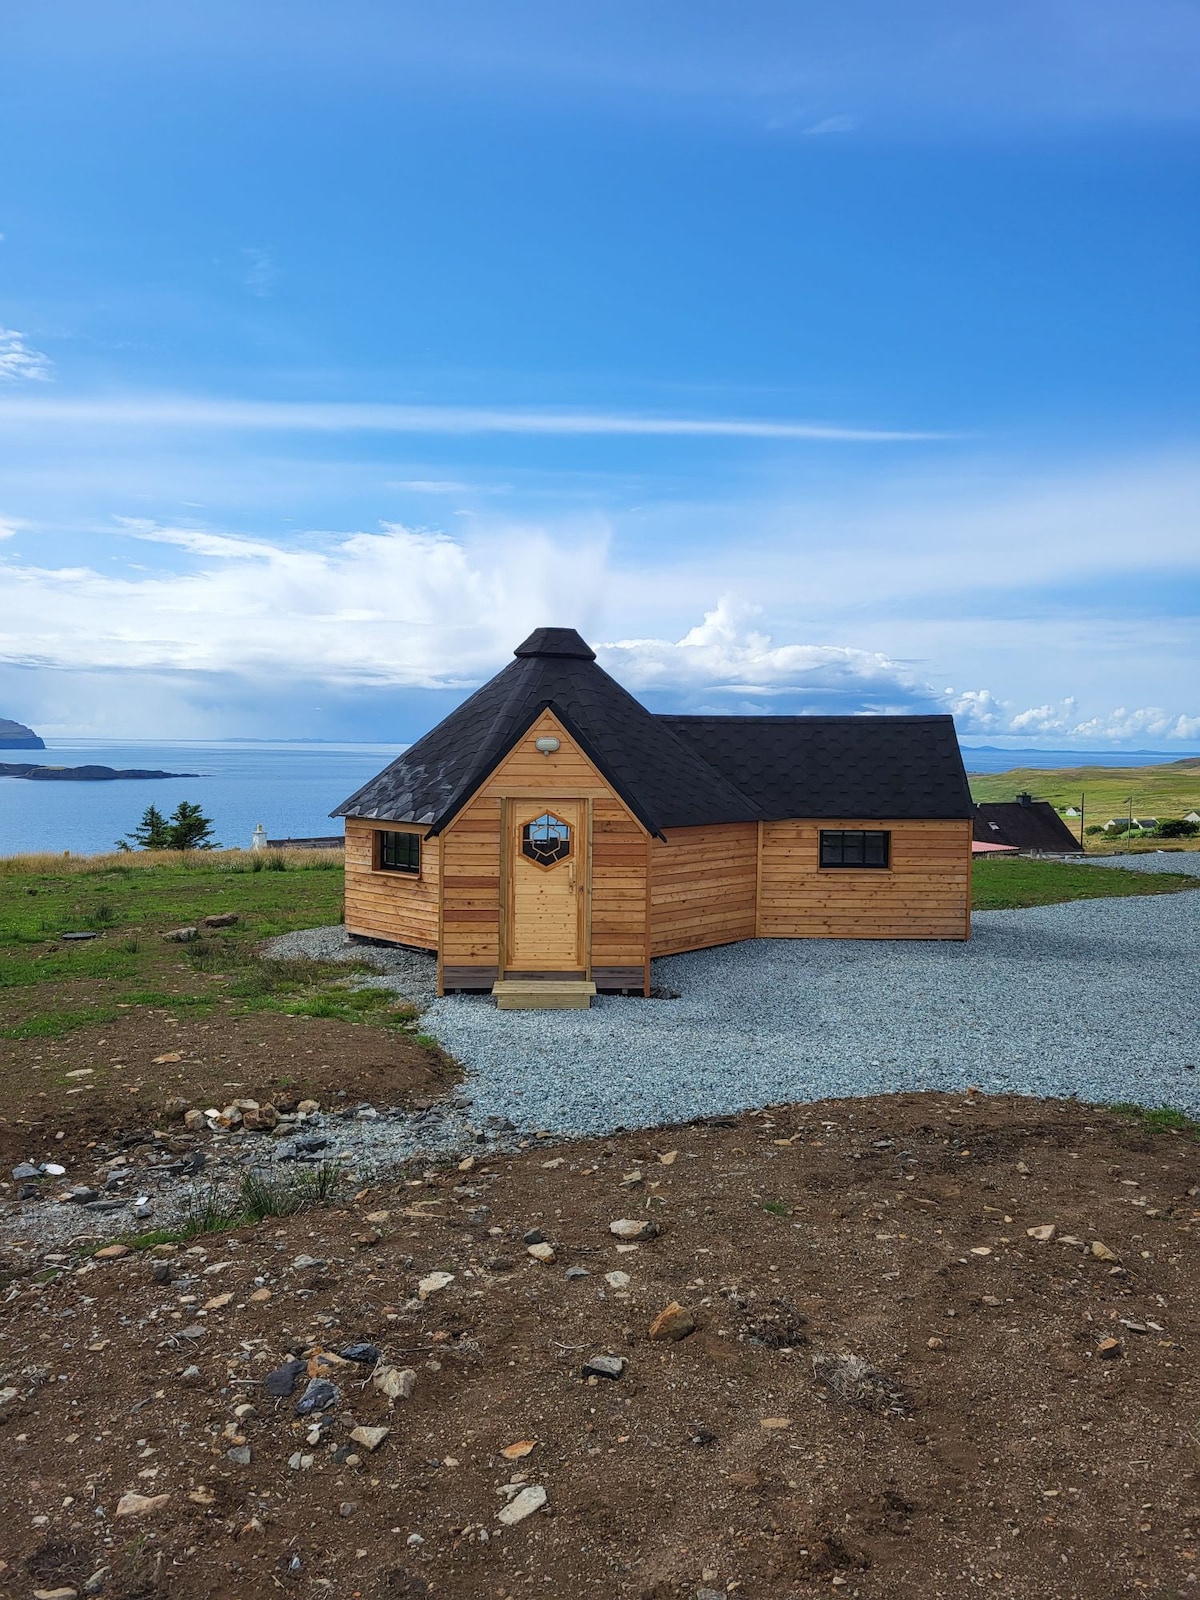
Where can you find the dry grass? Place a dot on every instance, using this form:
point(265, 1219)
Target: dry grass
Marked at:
point(194, 860)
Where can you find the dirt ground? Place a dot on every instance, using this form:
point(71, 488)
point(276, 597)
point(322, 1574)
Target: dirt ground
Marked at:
point(107, 1079)
point(1028, 1424)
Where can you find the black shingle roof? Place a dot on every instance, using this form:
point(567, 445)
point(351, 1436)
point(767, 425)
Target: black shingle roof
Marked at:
point(673, 772)
point(1033, 826)
point(872, 767)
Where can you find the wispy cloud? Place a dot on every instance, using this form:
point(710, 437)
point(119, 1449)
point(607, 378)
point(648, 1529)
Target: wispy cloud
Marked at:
point(19, 360)
point(261, 272)
point(173, 411)
point(840, 124)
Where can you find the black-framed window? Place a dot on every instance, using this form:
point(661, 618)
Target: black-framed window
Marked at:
point(855, 847)
point(399, 852)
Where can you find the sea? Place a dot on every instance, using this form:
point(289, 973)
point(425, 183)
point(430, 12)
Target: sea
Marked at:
point(289, 787)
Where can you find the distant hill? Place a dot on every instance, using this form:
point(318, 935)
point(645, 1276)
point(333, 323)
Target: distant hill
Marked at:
point(1170, 790)
point(16, 736)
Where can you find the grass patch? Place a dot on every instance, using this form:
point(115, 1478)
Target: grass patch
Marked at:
point(56, 1024)
point(257, 1199)
point(1158, 1119)
point(1008, 883)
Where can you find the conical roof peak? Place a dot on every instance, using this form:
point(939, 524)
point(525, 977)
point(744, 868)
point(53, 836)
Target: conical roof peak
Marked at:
point(556, 642)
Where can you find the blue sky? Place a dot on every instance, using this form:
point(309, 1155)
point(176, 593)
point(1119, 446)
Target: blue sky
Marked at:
point(823, 356)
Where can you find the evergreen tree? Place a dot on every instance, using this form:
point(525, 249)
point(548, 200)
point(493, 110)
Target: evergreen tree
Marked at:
point(189, 828)
point(151, 833)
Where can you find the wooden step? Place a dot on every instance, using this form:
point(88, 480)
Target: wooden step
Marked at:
point(544, 994)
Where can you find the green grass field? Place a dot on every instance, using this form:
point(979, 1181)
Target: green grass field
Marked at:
point(1169, 790)
point(49, 987)
point(1006, 883)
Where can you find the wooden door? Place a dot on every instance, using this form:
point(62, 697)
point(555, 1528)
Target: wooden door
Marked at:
point(547, 880)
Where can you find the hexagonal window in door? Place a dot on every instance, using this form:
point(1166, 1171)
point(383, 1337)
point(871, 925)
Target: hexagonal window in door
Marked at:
point(546, 840)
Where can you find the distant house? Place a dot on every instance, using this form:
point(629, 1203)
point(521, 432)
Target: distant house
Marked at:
point(1115, 824)
point(1030, 826)
point(1071, 811)
point(1192, 816)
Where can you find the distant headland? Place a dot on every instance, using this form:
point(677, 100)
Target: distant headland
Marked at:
point(40, 772)
point(16, 736)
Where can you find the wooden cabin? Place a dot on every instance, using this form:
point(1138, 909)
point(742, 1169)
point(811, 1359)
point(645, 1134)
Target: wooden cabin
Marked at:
point(552, 830)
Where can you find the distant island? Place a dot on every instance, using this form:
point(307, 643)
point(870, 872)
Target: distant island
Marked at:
point(44, 774)
point(16, 736)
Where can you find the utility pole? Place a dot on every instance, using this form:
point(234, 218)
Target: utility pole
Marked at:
point(1082, 823)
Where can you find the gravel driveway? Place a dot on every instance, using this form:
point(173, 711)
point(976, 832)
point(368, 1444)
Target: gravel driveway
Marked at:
point(1152, 861)
point(1097, 999)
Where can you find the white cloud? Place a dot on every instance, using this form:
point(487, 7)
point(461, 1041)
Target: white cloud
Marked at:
point(395, 607)
point(728, 654)
point(840, 124)
point(175, 411)
point(19, 360)
point(261, 272)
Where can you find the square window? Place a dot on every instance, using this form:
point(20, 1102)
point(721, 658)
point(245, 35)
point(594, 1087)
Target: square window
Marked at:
point(854, 847)
point(399, 852)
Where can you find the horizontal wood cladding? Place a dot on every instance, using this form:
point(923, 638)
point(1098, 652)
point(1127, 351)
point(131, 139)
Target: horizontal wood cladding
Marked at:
point(471, 889)
point(702, 887)
point(469, 977)
point(620, 862)
point(924, 892)
point(401, 907)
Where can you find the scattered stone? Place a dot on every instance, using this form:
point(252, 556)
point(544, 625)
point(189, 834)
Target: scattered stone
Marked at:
point(282, 1381)
point(981, 1249)
point(202, 1496)
point(934, 1343)
point(182, 936)
point(518, 1451)
point(95, 1584)
point(523, 1505)
point(1101, 1251)
point(604, 1367)
point(64, 1593)
point(775, 1422)
point(369, 1438)
point(190, 1376)
point(112, 1252)
point(673, 1322)
point(169, 1057)
point(318, 1396)
point(300, 1463)
point(1043, 1233)
point(631, 1228)
point(303, 1262)
point(308, 1108)
point(175, 1106)
point(1109, 1350)
point(617, 1280)
point(543, 1252)
point(25, 1170)
point(239, 1454)
point(366, 1354)
point(534, 1236)
point(260, 1119)
point(222, 919)
point(81, 1195)
point(397, 1383)
point(433, 1283)
point(347, 1508)
point(574, 1273)
point(133, 1504)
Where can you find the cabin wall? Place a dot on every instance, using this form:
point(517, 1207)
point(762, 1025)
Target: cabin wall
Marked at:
point(472, 845)
point(401, 907)
point(703, 887)
point(925, 893)
point(619, 890)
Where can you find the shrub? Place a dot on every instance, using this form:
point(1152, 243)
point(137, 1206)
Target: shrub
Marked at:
point(1178, 828)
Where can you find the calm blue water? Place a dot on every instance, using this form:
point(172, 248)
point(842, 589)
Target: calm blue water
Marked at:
point(289, 788)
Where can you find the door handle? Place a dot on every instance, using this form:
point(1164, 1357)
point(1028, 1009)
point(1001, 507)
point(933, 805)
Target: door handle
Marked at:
point(571, 877)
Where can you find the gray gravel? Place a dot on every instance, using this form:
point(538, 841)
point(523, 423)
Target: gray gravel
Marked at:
point(1152, 861)
point(411, 974)
point(1097, 999)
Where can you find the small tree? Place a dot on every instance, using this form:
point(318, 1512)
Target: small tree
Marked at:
point(189, 828)
point(151, 833)
point(1178, 828)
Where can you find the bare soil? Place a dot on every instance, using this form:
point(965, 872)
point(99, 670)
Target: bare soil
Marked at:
point(261, 1055)
point(995, 1441)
